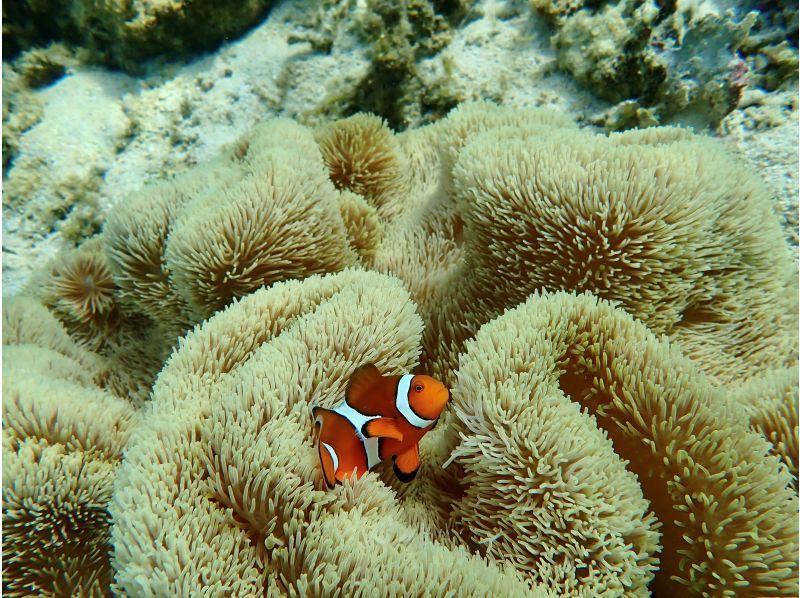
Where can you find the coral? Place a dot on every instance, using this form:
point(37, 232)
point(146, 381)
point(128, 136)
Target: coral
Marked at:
point(601, 50)
point(237, 480)
point(626, 115)
point(124, 34)
point(559, 9)
point(667, 63)
point(775, 65)
point(62, 443)
point(726, 508)
point(397, 36)
point(771, 47)
point(40, 67)
point(30, 23)
point(21, 111)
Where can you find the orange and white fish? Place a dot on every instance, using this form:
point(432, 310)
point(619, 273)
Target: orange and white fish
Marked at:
point(380, 417)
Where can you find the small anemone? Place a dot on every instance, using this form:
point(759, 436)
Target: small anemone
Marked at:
point(86, 285)
point(80, 290)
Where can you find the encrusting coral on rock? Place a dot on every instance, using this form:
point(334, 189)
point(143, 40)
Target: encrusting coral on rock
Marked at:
point(123, 34)
point(667, 62)
point(615, 314)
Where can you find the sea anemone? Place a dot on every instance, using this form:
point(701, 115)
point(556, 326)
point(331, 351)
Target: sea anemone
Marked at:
point(362, 156)
point(80, 290)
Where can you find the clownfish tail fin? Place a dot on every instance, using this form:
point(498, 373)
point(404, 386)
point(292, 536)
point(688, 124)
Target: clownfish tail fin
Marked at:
point(382, 427)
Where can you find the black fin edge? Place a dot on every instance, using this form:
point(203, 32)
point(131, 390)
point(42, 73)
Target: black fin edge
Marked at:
point(364, 432)
point(402, 476)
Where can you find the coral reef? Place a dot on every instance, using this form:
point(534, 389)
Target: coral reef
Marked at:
point(400, 34)
point(42, 66)
point(21, 110)
point(669, 62)
point(123, 34)
point(397, 36)
point(615, 313)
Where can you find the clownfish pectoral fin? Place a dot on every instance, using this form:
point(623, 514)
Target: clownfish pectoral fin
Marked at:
point(406, 463)
point(382, 427)
point(361, 383)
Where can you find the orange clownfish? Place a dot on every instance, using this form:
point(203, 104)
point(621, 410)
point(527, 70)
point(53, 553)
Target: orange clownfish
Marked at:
point(380, 417)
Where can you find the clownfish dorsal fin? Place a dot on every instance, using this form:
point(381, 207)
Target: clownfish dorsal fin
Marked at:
point(361, 384)
point(382, 427)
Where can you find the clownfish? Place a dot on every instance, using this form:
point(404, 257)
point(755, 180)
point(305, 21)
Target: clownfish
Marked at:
point(380, 417)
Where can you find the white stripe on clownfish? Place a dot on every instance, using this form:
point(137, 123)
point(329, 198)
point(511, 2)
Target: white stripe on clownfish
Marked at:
point(358, 420)
point(401, 401)
point(334, 456)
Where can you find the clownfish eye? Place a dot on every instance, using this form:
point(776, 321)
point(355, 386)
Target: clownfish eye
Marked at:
point(418, 388)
